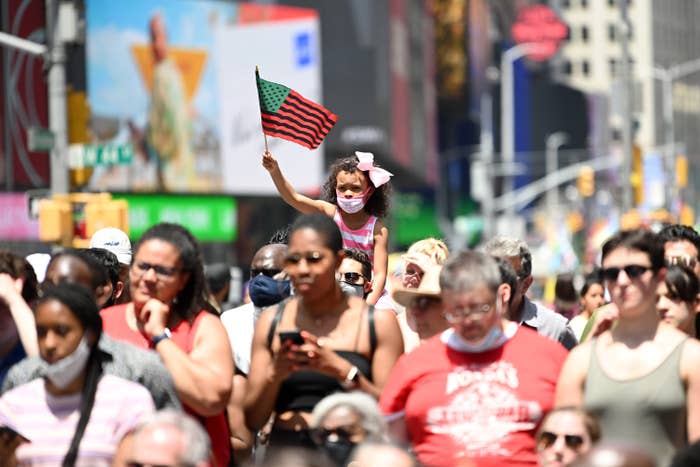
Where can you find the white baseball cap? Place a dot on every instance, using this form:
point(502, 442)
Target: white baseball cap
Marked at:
point(114, 240)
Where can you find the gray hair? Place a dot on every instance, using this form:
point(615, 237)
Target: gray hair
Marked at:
point(362, 404)
point(197, 448)
point(382, 453)
point(468, 269)
point(511, 247)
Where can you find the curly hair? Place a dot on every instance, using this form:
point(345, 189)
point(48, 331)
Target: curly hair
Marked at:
point(378, 202)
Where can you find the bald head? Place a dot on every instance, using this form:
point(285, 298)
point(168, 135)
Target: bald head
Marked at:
point(269, 257)
point(69, 268)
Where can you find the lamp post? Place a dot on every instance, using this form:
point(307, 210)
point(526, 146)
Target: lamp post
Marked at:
point(667, 76)
point(553, 143)
point(508, 108)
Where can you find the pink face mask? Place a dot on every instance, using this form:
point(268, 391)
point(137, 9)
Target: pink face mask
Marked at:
point(354, 204)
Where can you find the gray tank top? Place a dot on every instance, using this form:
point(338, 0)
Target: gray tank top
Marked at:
point(649, 411)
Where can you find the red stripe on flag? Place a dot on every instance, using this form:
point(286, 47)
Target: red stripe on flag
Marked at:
point(288, 136)
point(330, 116)
point(303, 120)
point(305, 112)
point(293, 126)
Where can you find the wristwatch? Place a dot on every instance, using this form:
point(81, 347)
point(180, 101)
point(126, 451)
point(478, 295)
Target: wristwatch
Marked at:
point(156, 339)
point(352, 380)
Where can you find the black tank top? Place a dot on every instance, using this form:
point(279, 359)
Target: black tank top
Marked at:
point(302, 390)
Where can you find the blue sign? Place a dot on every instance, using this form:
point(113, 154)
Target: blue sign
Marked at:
point(302, 49)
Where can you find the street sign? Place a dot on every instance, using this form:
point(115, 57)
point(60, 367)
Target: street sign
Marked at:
point(89, 155)
point(539, 24)
point(40, 139)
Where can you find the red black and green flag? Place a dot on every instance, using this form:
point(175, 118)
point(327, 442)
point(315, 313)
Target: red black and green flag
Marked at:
point(289, 115)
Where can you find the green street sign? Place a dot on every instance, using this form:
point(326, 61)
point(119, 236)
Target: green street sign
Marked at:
point(89, 155)
point(210, 218)
point(40, 139)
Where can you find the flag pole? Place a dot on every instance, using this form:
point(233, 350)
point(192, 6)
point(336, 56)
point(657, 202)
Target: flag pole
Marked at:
point(257, 77)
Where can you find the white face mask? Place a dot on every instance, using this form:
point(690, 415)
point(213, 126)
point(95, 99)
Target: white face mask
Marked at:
point(351, 205)
point(66, 370)
point(352, 289)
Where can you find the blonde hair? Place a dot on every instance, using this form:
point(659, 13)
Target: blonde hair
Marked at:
point(434, 248)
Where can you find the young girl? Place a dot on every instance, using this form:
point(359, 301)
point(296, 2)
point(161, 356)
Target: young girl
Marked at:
point(356, 196)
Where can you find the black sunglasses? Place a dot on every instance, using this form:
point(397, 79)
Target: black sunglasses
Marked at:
point(547, 439)
point(311, 258)
point(351, 277)
point(320, 435)
point(265, 272)
point(424, 302)
point(633, 271)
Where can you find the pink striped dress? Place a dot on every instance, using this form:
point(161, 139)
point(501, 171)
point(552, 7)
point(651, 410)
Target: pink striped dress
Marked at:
point(362, 238)
point(49, 421)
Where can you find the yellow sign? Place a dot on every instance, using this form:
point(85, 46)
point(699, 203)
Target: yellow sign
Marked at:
point(190, 62)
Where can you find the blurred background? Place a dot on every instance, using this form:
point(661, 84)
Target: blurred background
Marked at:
point(558, 121)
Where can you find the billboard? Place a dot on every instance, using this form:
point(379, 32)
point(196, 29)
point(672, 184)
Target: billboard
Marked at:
point(176, 79)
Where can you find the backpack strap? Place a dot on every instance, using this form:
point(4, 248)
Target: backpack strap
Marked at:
point(372, 330)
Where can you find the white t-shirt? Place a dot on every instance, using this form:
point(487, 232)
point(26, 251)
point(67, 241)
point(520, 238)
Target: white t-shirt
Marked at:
point(240, 326)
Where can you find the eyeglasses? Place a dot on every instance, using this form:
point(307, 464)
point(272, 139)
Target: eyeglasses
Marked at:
point(458, 314)
point(352, 277)
point(683, 260)
point(141, 464)
point(633, 271)
point(162, 272)
point(265, 272)
point(312, 257)
point(424, 302)
point(320, 435)
point(547, 439)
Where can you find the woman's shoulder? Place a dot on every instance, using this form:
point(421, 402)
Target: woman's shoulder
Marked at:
point(25, 392)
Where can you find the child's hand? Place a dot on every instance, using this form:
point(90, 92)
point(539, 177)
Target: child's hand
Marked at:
point(269, 162)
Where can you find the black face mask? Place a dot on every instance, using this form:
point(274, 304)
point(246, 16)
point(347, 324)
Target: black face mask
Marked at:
point(265, 291)
point(339, 451)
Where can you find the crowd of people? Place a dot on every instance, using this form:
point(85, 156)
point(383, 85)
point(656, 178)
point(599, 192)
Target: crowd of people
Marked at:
point(114, 355)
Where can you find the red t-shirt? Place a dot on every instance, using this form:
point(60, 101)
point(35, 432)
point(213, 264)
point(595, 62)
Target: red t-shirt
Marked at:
point(115, 326)
point(484, 407)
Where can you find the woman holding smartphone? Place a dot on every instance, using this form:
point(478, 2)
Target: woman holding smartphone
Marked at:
point(75, 415)
point(317, 343)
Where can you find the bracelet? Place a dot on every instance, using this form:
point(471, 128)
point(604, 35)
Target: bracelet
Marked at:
point(352, 380)
point(156, 339)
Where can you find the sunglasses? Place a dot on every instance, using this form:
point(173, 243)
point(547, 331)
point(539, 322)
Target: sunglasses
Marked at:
point(265, 272)
point(320, 435)
point(352, 277)
point(547, 439)
point(424, 302)
point(685, 260)
point(163, 272)
point(312, 257)
point(633, 271)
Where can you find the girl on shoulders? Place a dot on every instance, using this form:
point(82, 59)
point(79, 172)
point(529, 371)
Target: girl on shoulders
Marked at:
point(356, 196)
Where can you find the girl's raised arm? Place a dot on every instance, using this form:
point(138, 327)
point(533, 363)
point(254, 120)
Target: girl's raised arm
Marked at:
point(301, 203)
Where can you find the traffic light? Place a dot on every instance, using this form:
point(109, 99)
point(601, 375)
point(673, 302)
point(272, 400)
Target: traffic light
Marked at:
point(586, 181)
point(71, 219)
point(637, 175)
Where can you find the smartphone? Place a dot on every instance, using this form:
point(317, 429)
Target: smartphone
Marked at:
point(294, 336)
point(9, 434)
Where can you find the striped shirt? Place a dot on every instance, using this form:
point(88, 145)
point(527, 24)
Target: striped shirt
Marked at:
point(49, 421)
point(362, 238)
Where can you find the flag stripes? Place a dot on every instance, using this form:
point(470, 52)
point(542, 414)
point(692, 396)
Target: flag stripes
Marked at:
point(287, 114)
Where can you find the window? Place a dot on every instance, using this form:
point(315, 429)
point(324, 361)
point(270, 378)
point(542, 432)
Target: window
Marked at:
point(566, 67)
point(612, 66)
point(585, 68)
point(612, 32)
point(584, 33)
point(565, 4)
point(584, 3)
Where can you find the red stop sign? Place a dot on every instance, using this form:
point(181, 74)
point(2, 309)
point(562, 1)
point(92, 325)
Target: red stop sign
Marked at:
point(539, 24)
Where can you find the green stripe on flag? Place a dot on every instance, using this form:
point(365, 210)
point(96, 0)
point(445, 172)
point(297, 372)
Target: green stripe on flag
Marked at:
point(271, 95)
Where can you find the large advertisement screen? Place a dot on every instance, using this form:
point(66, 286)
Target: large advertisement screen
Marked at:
point(175, 78)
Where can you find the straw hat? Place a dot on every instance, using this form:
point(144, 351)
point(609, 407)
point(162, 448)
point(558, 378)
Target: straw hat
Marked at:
point(429, 286)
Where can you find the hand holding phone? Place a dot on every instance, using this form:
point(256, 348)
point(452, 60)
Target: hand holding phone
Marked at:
point(293, 336)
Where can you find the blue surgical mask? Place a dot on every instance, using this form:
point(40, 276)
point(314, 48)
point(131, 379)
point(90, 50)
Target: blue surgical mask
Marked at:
point(265, 291)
